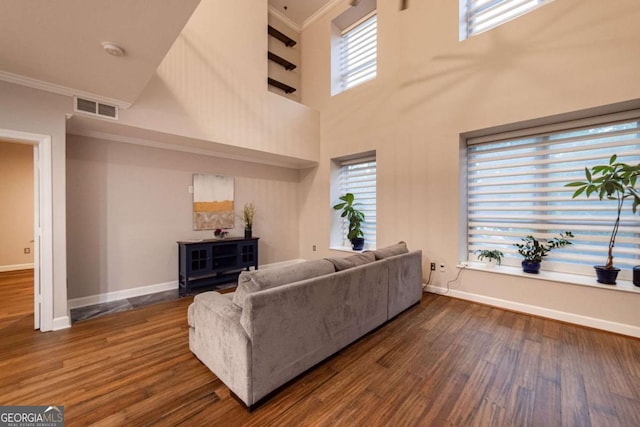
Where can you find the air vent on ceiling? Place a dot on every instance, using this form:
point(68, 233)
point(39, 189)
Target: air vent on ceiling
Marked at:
point(96, 108)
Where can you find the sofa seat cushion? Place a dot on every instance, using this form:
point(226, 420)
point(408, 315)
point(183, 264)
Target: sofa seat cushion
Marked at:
point(389, 251)
point(344, 263)
point(259, 280)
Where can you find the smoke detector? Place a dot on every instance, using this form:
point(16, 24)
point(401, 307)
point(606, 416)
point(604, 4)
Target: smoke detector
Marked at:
point(112, 49)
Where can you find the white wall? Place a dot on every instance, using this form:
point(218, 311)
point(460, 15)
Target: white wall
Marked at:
point(16, 201)
point(128, 205)
point(212, 86)
point(291, 54)
point(566, 56)
point(34, 111)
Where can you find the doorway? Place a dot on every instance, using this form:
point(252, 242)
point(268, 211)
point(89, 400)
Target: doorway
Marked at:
point(17, 301)
point(43, 224)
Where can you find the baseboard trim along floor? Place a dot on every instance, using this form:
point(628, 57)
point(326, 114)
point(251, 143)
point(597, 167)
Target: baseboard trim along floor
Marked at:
point(591, 322)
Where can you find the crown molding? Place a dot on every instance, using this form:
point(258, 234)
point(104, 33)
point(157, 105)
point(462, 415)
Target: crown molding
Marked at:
point(320, 12)
point(59, 89)
point(287, 21)
point(310, 20)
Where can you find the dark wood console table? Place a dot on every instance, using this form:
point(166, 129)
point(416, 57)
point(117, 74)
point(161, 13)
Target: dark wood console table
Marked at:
point(206, 263)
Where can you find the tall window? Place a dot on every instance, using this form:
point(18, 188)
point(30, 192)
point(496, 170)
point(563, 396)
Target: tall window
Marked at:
point(354, 46)
point(477, 16)
point(358, 176)
point(358, 52)
point(515, 187)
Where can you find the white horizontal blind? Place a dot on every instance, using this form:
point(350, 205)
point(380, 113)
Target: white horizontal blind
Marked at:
point(358, 53)
point(516, 186)
point(483, 15)
point(359, 177)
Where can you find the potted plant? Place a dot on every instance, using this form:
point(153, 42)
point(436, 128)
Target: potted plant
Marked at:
point(248, 215)
point(490, 255)
point(355, 218)
point(533, 251)
point(614, 181)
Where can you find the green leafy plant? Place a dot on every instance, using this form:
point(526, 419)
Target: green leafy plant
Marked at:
point(489, 254)
point(533, 251)
point(614, 181)
point(352, 214)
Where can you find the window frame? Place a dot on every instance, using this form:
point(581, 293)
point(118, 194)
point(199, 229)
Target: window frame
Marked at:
point(483, 12)
point(349, 25)
point(339, 186)
point(595, 120)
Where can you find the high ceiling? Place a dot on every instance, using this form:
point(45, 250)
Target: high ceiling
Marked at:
point(298, 11)
point(59, 42)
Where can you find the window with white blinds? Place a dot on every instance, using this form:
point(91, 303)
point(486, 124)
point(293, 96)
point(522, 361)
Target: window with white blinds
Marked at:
point(358, 53)
point(482, 15)
point(359, 177)
point(516, 186)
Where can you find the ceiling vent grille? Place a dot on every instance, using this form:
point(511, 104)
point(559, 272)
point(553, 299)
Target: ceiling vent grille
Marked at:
point(96, 108)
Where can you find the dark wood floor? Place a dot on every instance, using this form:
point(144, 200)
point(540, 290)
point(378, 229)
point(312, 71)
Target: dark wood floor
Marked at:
point(444, 362)
point(16, 298)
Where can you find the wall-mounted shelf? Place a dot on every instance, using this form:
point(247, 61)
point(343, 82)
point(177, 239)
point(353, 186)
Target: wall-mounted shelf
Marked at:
point(281, 86)
point(288, 41)
point(281, 61)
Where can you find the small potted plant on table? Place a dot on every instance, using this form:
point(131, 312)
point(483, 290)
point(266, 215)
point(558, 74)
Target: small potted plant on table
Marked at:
point(248, 215)
point(614, 181)
point(533, 251)
point(355, 218)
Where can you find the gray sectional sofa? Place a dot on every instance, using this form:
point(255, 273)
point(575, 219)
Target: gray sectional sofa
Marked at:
point(282, 321)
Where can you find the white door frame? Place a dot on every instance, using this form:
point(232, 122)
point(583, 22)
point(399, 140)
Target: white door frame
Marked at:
point(43, 224)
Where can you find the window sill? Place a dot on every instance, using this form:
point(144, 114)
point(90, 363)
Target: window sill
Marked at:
point(348, 249)
point(551, 276)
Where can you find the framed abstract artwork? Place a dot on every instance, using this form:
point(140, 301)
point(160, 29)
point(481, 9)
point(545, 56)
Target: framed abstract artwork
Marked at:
point(212, 202)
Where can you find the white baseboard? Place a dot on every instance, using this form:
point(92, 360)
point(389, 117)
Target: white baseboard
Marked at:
point(591, 322)
point(16, 267)
point(145, 290)
point(63, 322)
point(120, 295)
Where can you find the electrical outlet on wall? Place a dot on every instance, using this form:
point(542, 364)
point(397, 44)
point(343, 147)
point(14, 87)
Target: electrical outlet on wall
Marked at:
point(27, 251)
point(433, 266)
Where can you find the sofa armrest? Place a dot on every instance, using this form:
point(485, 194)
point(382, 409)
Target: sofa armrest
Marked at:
point(405, 281)
point(220, 342)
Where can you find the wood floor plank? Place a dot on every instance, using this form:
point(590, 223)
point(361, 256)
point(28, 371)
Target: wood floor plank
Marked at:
point(547, 409)
point(573, 399)
point(445, 362)
point(467, 406)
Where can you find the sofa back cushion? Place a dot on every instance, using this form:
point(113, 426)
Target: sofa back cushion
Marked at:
point(258, 280)
point(393, 250)
point(352, 261)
